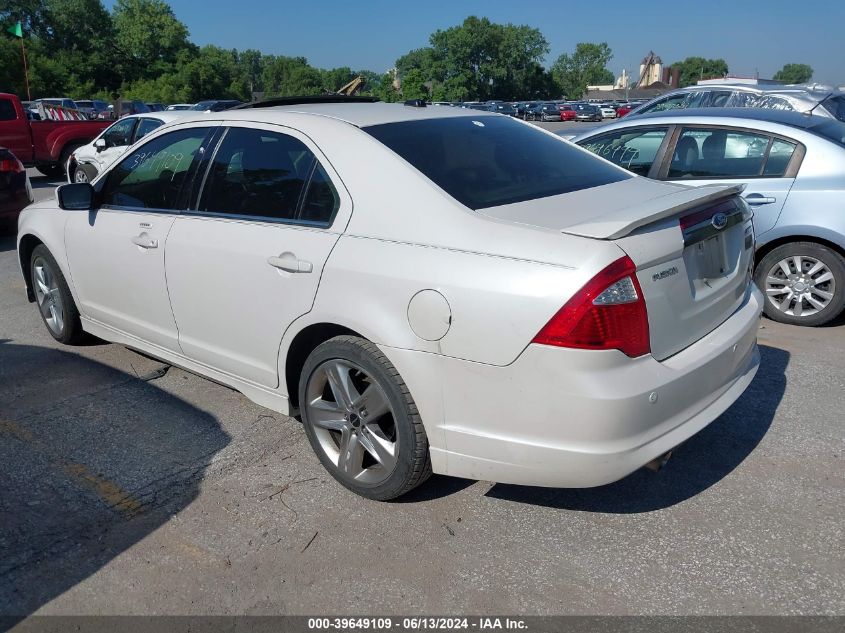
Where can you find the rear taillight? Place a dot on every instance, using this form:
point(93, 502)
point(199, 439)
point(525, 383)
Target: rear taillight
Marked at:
point(608, 313)
point(11, 164)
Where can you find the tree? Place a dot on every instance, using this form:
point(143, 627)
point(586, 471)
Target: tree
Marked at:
point(695, 68)
point(291, 76)
point(585, 67)
point(479, 59)
point(794, 74)
point(149, 37)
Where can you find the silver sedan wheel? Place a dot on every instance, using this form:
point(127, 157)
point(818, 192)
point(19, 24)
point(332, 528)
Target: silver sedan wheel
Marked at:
point(800, 285)
point(353, 421)
point(48, 296)
point(79, 175)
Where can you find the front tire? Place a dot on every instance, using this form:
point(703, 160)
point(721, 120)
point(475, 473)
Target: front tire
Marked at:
point(53, 298)
point(803, 282)
point(361, 420)
point(84, 173)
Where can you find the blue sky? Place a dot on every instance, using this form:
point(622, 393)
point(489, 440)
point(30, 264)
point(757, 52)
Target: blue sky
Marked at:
point(749, 34)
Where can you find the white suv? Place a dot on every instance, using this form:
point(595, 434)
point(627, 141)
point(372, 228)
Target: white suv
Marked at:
point(433, 289)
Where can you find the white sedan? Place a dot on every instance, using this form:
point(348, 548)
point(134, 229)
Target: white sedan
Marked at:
point(607, 112)
point(90, 159)
point(432, 289)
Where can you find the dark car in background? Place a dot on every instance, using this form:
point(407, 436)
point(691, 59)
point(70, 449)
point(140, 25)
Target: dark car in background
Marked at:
point(93, 108)
point(503, 108)
point(523, 107)
point(544, 112)
point(587, 112)
point(216, 105)
point(15, 190)
point(156, 107)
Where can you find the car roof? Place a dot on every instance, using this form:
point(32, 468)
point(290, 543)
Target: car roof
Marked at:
point(164, 115)
point(770, 115)
point(360, 114)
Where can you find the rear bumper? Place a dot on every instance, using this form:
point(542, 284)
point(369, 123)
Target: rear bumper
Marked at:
point(578, 418)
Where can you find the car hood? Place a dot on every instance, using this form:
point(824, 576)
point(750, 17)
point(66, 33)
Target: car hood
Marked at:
point(610, 211)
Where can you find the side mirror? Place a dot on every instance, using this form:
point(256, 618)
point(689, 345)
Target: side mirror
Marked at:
point(77, 196)
point(100, 144)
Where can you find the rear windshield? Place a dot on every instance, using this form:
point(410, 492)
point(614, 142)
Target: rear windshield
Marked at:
point(830, 129)
point(490, 161)
point(836, 106)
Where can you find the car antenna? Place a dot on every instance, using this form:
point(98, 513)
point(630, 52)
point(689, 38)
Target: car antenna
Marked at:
point(810, 111)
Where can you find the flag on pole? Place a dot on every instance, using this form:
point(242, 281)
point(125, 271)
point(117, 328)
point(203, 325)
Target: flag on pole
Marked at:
point(16, 29)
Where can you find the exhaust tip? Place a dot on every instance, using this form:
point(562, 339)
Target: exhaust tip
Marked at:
point(659, 462)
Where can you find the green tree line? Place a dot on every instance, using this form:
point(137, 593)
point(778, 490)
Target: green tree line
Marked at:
point(140, 50)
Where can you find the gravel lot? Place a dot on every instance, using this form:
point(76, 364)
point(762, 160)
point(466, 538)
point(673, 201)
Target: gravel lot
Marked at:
point(131, 488)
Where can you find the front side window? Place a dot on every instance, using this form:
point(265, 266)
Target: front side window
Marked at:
point(145, 126)
point(635, 150)
point(258, 174)
point(491, 161)
point(719, 153)
point(152, 176)
point(120, 134)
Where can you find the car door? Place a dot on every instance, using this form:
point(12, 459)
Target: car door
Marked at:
point(116, 252)
point(633, 148)
point(118, 138)
point(724, 155)
point(246, 261)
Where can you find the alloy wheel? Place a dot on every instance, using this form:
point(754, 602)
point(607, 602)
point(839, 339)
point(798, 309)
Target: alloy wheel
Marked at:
point(353, 421)
point(48, 296)
point(800, 285)
point(79, 175)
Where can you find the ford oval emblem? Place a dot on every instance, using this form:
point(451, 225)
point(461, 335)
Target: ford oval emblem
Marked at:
point(719, 221)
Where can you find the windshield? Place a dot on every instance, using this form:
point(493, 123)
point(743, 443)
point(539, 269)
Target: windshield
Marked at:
point(203, 105)
point(490, 161)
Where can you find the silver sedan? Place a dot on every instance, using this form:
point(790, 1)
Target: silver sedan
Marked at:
point(793, 168)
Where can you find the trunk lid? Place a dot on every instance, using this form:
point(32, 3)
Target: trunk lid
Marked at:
point(693, 248)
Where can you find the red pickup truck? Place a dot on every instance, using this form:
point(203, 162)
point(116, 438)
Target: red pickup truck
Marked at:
point(45, 144)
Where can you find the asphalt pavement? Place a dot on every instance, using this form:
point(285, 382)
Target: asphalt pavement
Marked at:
point(128, 487)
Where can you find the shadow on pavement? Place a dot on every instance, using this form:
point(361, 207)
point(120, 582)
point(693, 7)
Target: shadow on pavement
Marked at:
point(702, 461)
point(92, 460)
point(8, 240)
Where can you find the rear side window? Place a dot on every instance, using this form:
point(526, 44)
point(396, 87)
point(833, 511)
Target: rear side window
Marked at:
point(263, 174)
point(711, 153)
point(7, 110)
point(490, 161)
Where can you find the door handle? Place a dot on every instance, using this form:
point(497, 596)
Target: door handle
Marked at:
point(144, 241)
point(756, 199)
point(289, 262)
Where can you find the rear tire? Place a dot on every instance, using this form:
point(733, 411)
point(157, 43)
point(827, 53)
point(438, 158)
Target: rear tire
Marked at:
point(52, 296)
point(361, 420)
point(803, 283)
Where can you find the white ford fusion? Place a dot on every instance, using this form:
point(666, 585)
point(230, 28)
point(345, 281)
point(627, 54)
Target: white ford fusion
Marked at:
point(433, 289)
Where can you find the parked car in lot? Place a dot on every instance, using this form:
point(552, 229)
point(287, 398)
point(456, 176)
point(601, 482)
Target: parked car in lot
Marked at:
point(523, 108)
point(15, 190)
point(88, 161)
point(215, 105)
point(414, 281)
point(587, 112)
point(793, 168)
point(503, 108)
point(607, 111)
point(156, 107)
point(62, 102)
point(567, 112)
point(180, 106)
point(820, 100)
point(544, 112)
point(93, 108)
point(625, 108)
point(45, 144)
